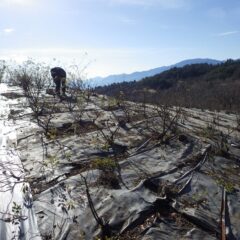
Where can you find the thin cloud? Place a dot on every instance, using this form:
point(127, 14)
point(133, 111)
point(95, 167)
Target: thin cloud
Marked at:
point(8, 30)
point(227, 33)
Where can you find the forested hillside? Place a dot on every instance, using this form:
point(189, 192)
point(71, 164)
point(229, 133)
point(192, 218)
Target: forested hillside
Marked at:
point(197, 85)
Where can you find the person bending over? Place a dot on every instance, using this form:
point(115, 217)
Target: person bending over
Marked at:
point(59, 77)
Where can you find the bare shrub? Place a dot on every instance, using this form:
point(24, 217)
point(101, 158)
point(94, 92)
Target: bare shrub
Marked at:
point(2, 69)
point(109, 135)
point(30, 73)
point(167, 122)
point(33, 78)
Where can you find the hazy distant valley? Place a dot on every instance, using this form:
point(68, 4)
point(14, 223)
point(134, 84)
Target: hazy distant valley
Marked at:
point(101, 81)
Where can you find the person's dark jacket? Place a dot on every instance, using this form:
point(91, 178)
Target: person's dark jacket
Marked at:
point(58, 72)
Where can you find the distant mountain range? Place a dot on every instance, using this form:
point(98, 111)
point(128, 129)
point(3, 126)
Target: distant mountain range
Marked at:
point(102, 81)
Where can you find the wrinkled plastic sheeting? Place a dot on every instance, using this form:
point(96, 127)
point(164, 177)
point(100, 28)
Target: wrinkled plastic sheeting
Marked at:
point(52, 207)
point(200, 200)
point(169, 230)
point(121, 208)
point(156, 161)
point(12, 182)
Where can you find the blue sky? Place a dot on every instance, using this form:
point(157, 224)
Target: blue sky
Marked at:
point(116, 36)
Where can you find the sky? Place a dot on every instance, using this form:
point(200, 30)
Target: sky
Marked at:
point(106, 37)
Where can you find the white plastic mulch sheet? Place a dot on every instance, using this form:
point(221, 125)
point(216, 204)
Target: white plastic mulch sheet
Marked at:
point(17, 219)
